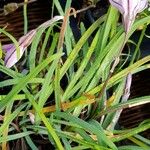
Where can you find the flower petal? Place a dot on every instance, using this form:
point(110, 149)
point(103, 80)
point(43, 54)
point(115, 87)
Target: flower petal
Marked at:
point(142, 5)
point(11, 57)
point(26, 40)
point(7, 47)
point(117, 4)
point(11, 54)
point(129, 10)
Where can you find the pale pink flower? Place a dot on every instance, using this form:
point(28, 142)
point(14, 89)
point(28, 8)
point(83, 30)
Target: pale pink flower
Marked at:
point(10, 49)
point(129, 9)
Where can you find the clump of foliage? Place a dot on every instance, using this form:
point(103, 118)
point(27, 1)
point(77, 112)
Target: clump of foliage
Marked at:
point(67, 93)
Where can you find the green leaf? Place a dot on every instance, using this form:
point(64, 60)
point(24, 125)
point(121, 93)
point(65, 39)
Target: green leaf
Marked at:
point(26, 79)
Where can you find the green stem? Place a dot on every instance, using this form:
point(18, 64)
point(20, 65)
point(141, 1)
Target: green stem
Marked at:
point(25, 17)
point(138, 45)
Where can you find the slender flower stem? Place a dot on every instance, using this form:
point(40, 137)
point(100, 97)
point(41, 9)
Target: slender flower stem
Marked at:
point(138, 45)
point(25, 17)
point(25, 20)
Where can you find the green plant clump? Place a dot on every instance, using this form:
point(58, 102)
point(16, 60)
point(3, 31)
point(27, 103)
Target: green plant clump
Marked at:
point(67, 93)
